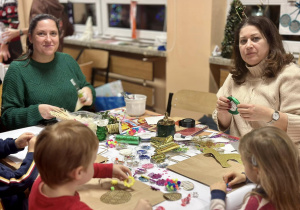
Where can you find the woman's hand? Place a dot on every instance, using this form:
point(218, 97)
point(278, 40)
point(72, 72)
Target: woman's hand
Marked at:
point(233, 178)
point(224, 117)
point(121, 172)
point(87, 98)
point(5, 52)
point(10, 34)
point(254, 112)
point(223, 104)
point(45, 109)
point(218, 186)
point(22, 141)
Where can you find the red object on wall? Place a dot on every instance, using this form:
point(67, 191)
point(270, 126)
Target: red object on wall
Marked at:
point(133, 19)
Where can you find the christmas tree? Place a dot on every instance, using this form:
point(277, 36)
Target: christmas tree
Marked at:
point(234, 17)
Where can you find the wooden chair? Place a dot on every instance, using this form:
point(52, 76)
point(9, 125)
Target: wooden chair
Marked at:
point(100, 61)
point(195, 103)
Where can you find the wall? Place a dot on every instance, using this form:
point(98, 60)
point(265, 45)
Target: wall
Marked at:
point(194, 28)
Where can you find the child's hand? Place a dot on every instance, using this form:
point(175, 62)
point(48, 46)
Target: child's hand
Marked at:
point(234, 178)
point(143, 205)
point(218, 186)
point(121, 172)
point(23, 140)
point(31, 144)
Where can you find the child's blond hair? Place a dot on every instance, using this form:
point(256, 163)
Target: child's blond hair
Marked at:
point(273, 152)
point(62, 147)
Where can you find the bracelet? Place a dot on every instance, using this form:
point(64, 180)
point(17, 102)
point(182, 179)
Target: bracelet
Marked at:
point(21, 33)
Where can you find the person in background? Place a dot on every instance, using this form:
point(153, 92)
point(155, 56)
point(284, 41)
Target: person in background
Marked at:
point(61, 174)
point(271, 161)
point(264, 80)
point(13, 183)
point(11, 47)
point(56, 9)
point(39, 82)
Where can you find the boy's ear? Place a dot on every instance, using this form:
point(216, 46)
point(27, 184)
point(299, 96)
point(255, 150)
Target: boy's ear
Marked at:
point(76, 174)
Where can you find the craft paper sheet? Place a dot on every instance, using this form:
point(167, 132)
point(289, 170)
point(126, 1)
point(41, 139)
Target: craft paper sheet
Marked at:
point(204, 169)
point(91, 192)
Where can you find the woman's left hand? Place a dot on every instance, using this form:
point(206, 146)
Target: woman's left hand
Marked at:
point(87, 98)
point(121, 172)
point(254, 112)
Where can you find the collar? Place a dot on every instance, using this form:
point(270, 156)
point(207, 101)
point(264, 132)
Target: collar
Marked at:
point(258, 70)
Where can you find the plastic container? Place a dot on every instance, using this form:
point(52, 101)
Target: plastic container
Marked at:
point(135, 105)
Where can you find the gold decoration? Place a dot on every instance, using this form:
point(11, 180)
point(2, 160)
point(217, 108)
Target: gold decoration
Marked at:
point(187, 185)
point(172, 196)
point(203, 142)
point(116, 197)
point(223, 158)
point(113, 128)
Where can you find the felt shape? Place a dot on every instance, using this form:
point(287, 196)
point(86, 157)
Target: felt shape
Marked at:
point(172, 196)
point(116, 197)
point(187, 185)
point(223, 158)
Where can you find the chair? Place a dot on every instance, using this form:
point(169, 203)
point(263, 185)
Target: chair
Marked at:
point(100, 59)
point(195, 102)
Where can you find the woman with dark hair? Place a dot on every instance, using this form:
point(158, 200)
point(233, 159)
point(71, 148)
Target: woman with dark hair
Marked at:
point(264, 80)
point(39, 81)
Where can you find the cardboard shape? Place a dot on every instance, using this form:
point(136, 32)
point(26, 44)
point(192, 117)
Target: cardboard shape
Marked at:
point(204, 169)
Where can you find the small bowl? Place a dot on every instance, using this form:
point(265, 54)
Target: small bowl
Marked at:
point(135, 105)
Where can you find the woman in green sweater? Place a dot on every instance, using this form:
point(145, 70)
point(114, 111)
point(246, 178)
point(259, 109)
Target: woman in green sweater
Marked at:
point(39, 82)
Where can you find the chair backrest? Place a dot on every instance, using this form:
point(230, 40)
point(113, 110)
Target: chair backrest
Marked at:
point(100, 58)
point(87, 70)
point(191, 100)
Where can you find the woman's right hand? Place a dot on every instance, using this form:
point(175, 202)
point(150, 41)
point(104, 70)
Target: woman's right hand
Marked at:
point(224, 117)
point(223, 104)
point(233, 178)
point(143, 205)
point(45, 109)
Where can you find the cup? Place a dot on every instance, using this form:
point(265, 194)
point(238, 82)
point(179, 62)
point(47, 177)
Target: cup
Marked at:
point(135, 105)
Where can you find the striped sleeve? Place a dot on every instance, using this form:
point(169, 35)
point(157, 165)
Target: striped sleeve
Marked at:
point(15, 181)
point(217, 200)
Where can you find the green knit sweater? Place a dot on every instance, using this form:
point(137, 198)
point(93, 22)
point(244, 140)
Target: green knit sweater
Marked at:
point(25, 87)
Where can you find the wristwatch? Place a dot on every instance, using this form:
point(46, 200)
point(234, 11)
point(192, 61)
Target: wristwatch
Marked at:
point(275, 117)
point(21, 33)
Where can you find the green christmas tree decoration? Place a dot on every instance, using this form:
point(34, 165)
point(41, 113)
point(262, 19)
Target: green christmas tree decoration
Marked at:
point(234, 17)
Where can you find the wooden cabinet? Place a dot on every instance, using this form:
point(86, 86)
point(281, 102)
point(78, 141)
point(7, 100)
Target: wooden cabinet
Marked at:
point(140, 74)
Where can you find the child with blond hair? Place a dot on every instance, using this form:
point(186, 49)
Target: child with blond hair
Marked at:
point(64, 154)
point(271, 161)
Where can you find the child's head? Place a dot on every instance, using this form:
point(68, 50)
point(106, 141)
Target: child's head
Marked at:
point(63, 147)
point(271, 160)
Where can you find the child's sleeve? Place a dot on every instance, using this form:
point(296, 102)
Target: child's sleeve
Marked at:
point(103, 170)
point(217, 200)
point(15, 181)
point(7, 147)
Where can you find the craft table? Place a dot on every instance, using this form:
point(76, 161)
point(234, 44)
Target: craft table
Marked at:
point(233, 200)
